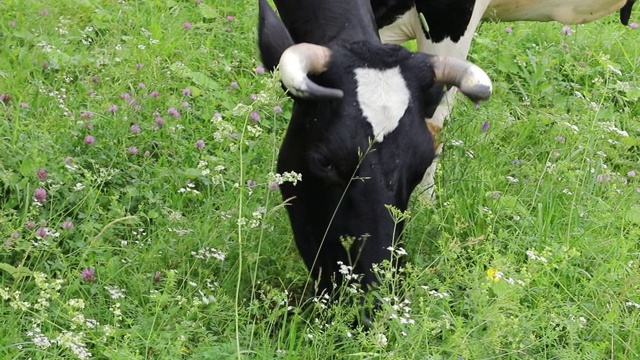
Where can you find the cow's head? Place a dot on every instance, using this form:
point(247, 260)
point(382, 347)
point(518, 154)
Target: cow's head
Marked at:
point(358, 137)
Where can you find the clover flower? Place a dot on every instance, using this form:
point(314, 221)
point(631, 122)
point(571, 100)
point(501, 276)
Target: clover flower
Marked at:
point(173, 112)
point(88, 274)
point(40, 195)
point(42, 174)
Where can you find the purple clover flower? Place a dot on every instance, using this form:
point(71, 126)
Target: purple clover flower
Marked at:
point(200, 144)
point(159, 121)
point(174, 112)
point(40, 195)
point(42, 233)
point(42, 174)
point(88, 274)
point(86, 114)
point(89, 140)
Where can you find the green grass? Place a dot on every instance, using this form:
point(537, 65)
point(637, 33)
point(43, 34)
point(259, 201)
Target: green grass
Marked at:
point(530, 250)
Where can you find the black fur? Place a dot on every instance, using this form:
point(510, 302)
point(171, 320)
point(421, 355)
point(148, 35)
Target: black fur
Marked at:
point(328, 21)
point(625, 12)
point(273, 38)
point(387, 11)
point(446, 19)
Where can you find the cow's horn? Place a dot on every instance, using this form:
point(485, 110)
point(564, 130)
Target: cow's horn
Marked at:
point(467, 77)
point(302, 59)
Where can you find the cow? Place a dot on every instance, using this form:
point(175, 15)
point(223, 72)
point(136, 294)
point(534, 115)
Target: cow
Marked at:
point(357, 133)
point(451, 24)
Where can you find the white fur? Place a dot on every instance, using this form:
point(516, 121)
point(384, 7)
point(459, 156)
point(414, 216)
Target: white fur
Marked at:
point(383, 97)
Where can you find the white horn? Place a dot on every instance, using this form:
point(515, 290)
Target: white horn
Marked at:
point(467, 77)
point(302, 59)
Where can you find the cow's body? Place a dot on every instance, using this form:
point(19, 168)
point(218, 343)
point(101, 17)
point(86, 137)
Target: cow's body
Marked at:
point(452, 24)
point(357, 132)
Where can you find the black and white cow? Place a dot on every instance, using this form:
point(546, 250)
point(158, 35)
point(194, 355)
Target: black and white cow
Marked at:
point(451, 25)
point(357, 133)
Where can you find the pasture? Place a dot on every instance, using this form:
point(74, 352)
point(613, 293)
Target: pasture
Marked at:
point(140, 217)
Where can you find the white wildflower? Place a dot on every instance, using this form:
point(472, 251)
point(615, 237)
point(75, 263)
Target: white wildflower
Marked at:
point(381, 340)
point(207, 253)
point(76, 303)
point(115, 292)
point(512, 179)
point(532, 255)
point(572, 127)
point(39, 339)
point(632, 304)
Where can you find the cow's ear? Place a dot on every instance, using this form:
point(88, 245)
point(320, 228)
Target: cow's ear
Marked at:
point(273, 37)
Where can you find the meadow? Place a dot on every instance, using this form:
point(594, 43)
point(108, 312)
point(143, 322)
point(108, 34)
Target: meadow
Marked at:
point(140, 217)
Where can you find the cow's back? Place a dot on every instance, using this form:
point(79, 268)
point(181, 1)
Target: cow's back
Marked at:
point(563, 11)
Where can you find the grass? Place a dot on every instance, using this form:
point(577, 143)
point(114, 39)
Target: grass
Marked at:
point(151, 133)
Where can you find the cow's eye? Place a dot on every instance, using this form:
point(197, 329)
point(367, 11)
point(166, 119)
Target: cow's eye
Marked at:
point(324, 163)
point(322, 166)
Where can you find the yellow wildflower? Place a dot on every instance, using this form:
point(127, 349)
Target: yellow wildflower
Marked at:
point(494, 274)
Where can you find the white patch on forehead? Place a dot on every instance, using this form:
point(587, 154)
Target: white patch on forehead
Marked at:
point(383, 97)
